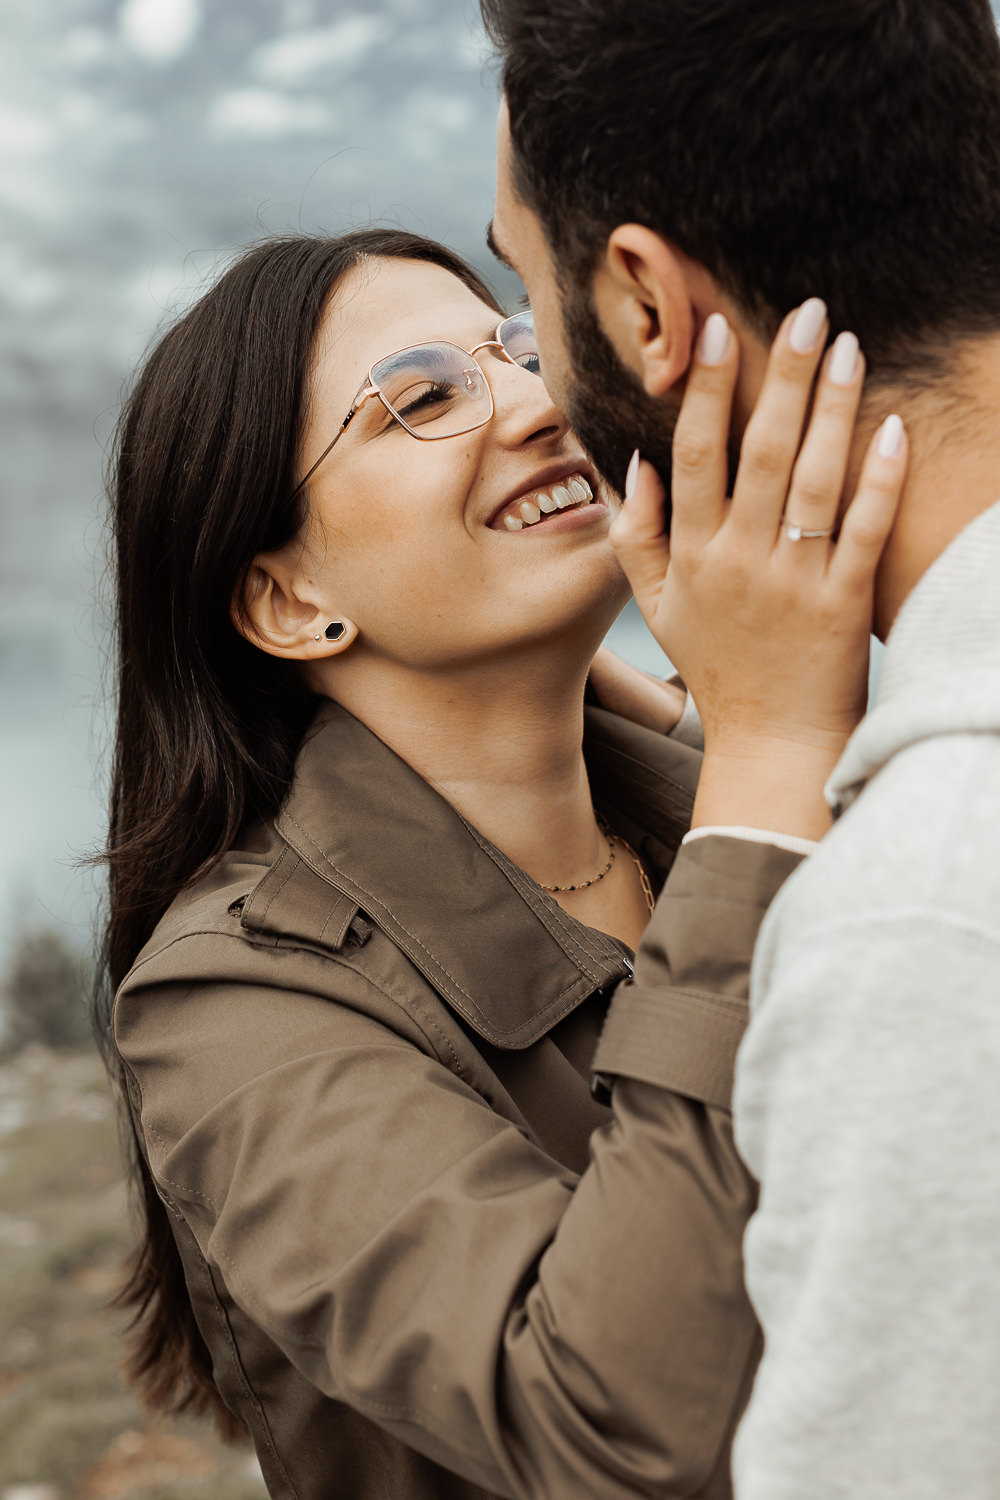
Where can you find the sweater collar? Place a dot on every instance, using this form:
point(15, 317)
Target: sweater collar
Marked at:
point(492, 942)
point(941, 670)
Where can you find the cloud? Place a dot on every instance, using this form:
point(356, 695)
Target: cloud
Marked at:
point(79, 110)
point(473, 50)
point(264, 113)
point(85, 45)
point(430, 122)
point(342, 45)
point(159, 30)
point(25, 283)
point(24, 133)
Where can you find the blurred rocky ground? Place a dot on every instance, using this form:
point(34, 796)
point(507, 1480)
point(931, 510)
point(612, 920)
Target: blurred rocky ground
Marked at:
point(69, 1430)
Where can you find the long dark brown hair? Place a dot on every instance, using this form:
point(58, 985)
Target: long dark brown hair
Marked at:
point(202, 476)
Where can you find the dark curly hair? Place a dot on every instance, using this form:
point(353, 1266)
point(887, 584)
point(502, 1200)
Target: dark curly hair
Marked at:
point(846, 148)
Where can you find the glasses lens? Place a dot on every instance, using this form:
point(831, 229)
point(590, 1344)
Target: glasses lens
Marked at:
point(437, 390)
point(517, 334)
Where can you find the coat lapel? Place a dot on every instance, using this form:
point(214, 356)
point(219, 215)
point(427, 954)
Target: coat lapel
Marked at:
point(499, 950)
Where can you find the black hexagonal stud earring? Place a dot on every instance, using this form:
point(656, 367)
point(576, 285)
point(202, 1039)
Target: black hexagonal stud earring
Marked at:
point(335, 630)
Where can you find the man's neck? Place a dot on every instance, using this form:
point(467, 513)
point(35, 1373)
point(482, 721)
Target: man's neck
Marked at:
point(953, 426)
point(954, 472)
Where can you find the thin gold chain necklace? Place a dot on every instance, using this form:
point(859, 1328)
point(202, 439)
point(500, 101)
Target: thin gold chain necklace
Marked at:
point(582, 885)
point(612, 839)
point(647, 889)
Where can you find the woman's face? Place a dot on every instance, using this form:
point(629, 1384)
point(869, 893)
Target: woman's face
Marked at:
point(409, 539)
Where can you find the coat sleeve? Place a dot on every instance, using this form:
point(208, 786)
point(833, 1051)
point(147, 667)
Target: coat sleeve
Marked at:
point(867, 1105)
point(418, 1258)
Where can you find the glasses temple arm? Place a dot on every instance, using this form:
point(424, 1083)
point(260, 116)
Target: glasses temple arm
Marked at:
point(361, 399)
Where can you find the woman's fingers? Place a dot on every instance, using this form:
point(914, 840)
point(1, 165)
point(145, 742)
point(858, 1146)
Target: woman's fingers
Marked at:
point(817, 485)
point(771, 442)
point(869, 518)
point(639, 535)
point(699, 485)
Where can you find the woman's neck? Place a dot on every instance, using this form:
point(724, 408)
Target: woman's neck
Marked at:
point(502, 742)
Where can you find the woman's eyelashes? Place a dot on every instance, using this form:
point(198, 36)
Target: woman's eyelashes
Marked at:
point(431, 398)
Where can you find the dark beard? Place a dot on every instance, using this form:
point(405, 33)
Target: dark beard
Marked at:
point(609, 408)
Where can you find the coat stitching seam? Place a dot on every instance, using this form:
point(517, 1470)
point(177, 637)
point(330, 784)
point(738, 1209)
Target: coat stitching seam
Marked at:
point(412, 936)
point(329, 915)
point(361, 1401)
point(233, 1351)
point(550, 914)
point(382, 907)
point(732, 1007)
point(241, 1374)
point(284, 882)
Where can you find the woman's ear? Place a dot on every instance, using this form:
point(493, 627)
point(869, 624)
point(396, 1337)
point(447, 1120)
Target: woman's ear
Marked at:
point(644, 297)
point(278, 614)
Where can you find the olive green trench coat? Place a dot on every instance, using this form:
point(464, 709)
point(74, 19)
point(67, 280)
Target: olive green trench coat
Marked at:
point(431, 1258)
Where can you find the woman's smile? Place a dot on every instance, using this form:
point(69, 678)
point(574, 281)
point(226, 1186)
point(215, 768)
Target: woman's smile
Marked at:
point(402, 533)
point(546, 497)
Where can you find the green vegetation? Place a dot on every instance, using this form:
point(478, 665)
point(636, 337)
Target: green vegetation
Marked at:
point(65, 1418)
point(45, 992)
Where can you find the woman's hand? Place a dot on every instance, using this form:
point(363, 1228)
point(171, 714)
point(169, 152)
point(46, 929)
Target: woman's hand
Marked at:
point(769, 631)
point(635, 694)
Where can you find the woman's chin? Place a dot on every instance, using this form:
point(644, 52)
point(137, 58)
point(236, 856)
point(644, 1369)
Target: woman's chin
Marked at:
point(580, 619)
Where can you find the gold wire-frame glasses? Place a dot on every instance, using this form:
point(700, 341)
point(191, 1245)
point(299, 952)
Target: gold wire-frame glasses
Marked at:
point(433, 384)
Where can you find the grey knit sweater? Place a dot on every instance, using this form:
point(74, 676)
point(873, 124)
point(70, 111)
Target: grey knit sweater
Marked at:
point(868, 1088)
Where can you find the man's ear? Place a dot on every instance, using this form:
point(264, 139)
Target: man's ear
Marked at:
point(643, 295)
point(278, 613)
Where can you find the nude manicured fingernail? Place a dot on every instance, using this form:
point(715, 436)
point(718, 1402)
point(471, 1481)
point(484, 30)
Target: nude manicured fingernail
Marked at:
point(890, 438)
point(844, 360)
point(808, 325)
point(714, 341)
point(631, 476)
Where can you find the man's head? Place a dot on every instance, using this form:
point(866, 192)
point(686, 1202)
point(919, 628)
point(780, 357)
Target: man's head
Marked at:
point(674, 156)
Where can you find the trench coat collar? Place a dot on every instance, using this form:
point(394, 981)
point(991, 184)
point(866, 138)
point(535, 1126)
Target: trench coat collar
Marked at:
point(499, 950)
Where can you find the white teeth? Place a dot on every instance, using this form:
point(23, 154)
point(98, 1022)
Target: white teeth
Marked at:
point(575, 491)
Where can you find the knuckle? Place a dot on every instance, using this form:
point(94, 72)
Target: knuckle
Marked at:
point(692, 450)
point(810, 492)
point(867, 533)
point(763, 459)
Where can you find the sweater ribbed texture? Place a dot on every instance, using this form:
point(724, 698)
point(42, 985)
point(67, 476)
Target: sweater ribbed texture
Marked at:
point(868, 1088)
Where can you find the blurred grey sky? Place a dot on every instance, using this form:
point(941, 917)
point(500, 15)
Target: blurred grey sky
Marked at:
point(142, 141)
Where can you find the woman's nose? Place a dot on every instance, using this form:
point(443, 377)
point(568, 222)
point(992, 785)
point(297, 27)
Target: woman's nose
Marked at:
point(523, 410)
